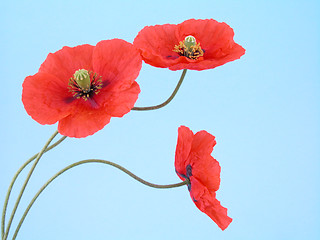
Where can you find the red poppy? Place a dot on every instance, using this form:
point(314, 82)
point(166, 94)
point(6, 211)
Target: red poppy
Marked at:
point(192, 44)
point(194, 162)
point(82, 87)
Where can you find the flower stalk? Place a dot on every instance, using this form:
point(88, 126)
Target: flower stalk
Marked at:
point(25, 184)
point(5, 206)
point(92, 161)
point(168, 100)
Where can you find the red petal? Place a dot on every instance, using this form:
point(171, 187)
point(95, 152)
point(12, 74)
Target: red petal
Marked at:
point(121, 102)
point(44, 96)
point(203, 143)
point(207, 170)
point(86, 121)
point(118, 62)
point(206, 202)
point(211, 35)
point(65, 62)
point(204, 166)
point(185, 137)
point(156, 44)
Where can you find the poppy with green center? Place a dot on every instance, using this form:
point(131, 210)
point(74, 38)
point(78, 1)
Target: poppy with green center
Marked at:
point(82, 87)
point(192, 44)
point(193, 161)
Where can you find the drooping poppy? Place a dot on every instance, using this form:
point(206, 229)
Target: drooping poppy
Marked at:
point(192, 44)
point(193, 161)
point(82, 87)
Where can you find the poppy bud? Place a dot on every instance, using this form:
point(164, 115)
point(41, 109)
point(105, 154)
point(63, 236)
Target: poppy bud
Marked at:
point(82, 78)
point(190, 41)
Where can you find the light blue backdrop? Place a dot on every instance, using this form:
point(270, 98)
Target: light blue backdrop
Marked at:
point(263, 110)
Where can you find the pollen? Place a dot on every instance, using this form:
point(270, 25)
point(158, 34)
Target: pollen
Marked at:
point(189, 48)
point(78, 91)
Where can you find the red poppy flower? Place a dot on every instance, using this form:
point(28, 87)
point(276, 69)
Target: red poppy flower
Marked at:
point(192, 44)
point(194, 162)
point(82, 87)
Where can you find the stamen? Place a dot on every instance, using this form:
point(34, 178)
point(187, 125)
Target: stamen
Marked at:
point(189, 48)
point(84, 84)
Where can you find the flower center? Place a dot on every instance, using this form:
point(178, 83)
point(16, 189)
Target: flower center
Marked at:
point(189, 48)
point(84, 84)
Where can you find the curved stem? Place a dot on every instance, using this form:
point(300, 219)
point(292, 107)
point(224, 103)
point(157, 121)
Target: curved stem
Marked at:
point(91, 161)
point(168, 100)
point(5, 206)
point(25, 184)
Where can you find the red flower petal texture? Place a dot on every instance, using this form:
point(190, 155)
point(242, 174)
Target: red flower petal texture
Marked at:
point(157, 44)
point(193, 161)
point(111, 66)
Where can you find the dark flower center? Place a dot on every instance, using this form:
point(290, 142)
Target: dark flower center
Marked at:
point(84, 84)
point(189, 48)
point(187, 176)
point(189, 171)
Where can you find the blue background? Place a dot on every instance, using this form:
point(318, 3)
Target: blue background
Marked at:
point(263, 110)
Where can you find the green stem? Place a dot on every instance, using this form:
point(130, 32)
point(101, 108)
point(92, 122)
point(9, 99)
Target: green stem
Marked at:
point(25, 184)
point(91, 161)
point(168, 100)
point(5, 206)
